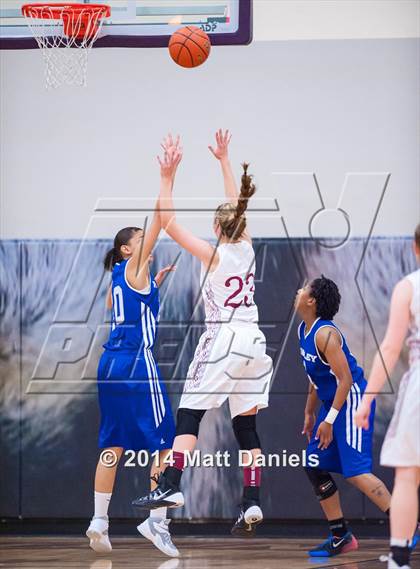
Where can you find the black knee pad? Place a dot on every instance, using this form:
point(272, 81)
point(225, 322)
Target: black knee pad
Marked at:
point(245, 429)
point(322, 481)
point(188, 421)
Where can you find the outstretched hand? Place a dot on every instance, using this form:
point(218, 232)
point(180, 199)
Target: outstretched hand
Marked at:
point(169, 144)
point(162, 274)
point(222, 140)
point(172, 156)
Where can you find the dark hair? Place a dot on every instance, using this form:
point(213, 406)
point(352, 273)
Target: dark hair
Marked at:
point(232, 218)
point(122, 238)
point(327, 297)
point(417, 236)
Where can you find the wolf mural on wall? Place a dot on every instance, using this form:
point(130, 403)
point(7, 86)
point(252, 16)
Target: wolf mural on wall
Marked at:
point(49, 412)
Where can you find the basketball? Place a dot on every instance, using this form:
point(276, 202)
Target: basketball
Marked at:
point(189, 46)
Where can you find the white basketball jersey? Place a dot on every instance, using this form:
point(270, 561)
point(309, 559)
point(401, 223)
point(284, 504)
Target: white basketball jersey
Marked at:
point(228, 292)
point(413, 340)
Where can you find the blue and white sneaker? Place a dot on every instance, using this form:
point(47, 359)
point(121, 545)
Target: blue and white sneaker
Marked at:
point(335, 545)
point(416, 538)
point(156, 530)
point(163, 496)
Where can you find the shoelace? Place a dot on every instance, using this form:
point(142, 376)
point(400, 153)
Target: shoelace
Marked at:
point(155, 478)
point(156, 492)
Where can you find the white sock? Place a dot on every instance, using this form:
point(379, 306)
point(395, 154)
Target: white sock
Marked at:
point(159, 513)
point(399, 542)
point(102, 500)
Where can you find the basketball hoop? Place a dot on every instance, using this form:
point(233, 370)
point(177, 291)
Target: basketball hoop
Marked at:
point(65, 33)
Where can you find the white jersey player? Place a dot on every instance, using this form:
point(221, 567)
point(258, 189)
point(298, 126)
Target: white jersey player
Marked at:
point(401, 448)
point(232, 348)
point(230, 361)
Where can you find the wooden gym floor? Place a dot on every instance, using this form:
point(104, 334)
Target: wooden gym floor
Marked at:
point(196, 553)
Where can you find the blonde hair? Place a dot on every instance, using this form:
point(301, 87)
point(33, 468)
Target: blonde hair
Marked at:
point(231, 218)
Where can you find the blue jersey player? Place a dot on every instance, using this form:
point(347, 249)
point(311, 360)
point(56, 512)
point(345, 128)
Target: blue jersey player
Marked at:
point(135, 409)
point(339, 383)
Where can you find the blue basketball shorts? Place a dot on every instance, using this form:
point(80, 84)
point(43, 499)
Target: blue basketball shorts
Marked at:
point(350, 452)
point(135, 410)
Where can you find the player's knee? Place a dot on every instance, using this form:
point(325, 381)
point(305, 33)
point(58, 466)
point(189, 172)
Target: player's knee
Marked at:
point(245, 429)
point(188, 421)
point(357, 480)
point(322, 482)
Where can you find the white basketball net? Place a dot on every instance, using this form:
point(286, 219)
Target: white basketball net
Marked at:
point(65, 56)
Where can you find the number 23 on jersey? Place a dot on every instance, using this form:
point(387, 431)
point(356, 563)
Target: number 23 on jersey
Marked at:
point(239, 285)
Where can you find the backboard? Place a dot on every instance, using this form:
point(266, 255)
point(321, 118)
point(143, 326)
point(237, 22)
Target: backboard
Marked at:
point(144, 23)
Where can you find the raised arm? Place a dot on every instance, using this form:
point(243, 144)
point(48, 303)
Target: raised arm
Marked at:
point(390, 348)
point(138, 274)
point(138, 266)
point(196, 246)
point(231, 190)
point(221, 153)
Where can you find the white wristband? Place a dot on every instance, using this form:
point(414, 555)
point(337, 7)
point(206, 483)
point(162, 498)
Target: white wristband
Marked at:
point(332, 415)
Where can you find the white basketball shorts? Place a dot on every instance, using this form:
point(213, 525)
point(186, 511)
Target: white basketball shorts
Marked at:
point(402, 441)
point(230, 362)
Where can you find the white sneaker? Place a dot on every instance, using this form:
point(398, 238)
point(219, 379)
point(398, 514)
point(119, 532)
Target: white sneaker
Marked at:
point(97, 533)
point(156, 530)
point(253, 515)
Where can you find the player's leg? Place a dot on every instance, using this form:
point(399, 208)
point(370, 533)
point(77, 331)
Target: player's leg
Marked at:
point(168, 493)
point(331, 505)
point(341, 540)
point(401, 451)
point(207, 386)
point(250, 371)
point(156, 527)
point(114, 417)
point(356, 454)
point(373, 488)
point(404, 515)
point(158, 466)
point(245, 429)
point(106, 471)
point(188, 424)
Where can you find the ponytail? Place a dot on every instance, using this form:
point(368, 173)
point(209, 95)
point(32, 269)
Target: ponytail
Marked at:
point(111, 258)
point(248, 189)
point(232, 218)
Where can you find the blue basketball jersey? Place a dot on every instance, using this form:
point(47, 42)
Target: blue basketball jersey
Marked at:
point(317, 369)
point(134, 315)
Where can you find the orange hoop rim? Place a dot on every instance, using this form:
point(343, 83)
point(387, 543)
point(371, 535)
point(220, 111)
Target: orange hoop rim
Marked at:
point(56, 11)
